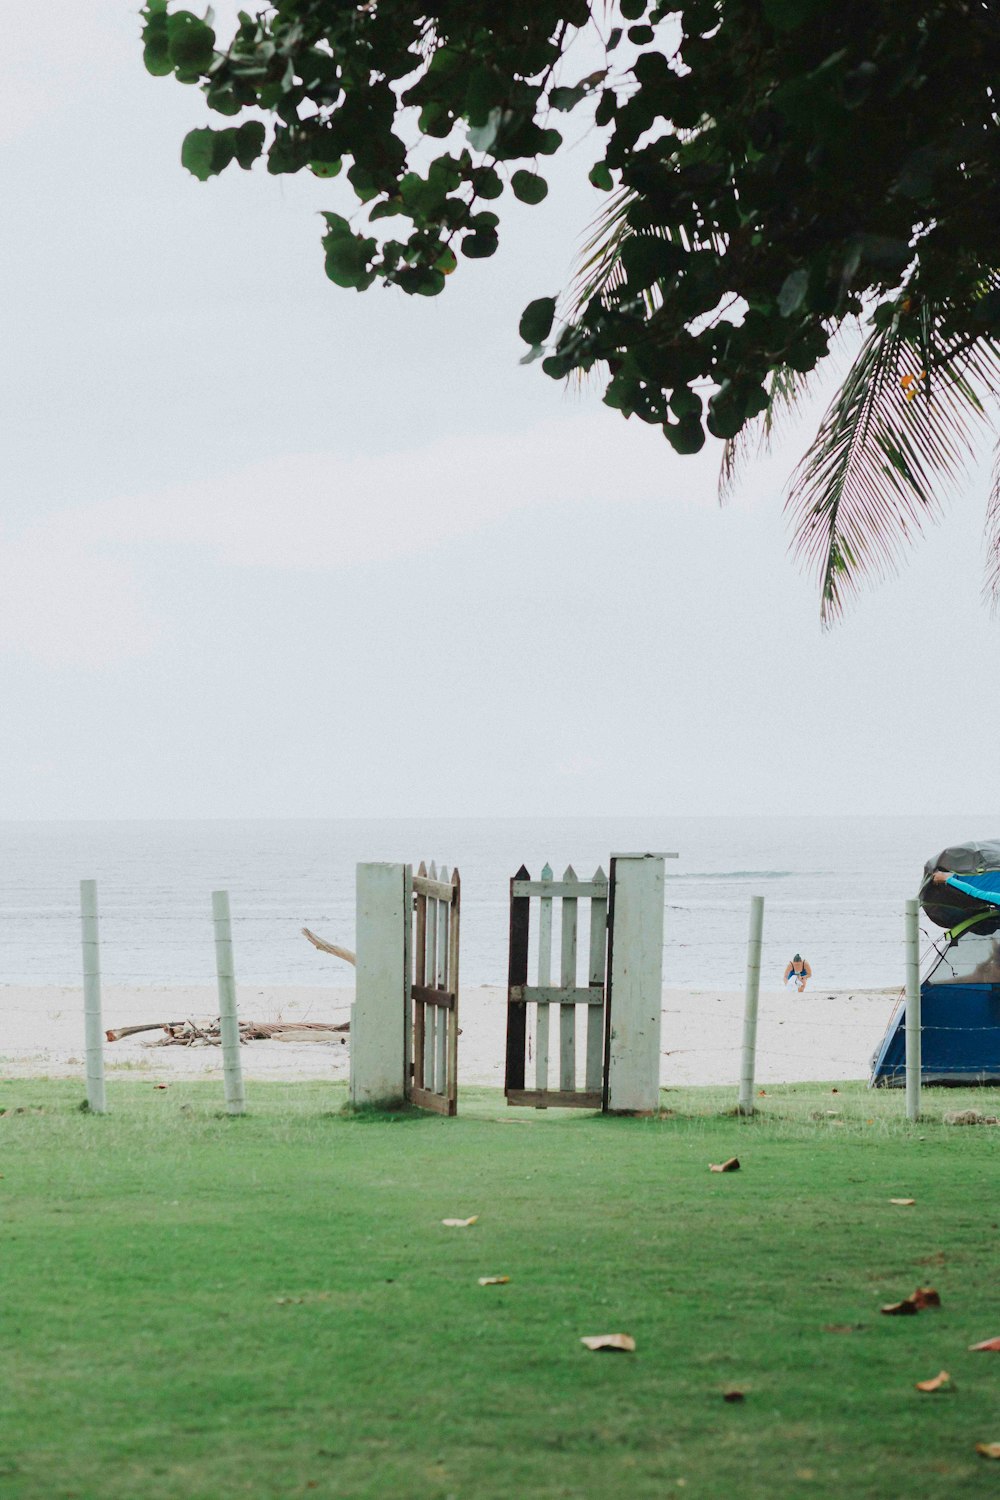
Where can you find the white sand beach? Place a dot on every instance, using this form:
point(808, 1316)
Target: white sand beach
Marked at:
point(822, 1034)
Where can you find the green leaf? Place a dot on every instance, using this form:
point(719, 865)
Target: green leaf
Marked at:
point(788, 15)
point(687, 436)
point(192, 43)
point(601, 177)
point(249, 143)
point(481, 137)
point(566, 99)
point(529, 187)
point(205, 152)
point(632, 10)
point(481, 245)
point(536, 320)
point(347, 258)
point(793, 291)
point(549, 142)
point(326, 168)
point(156, 49)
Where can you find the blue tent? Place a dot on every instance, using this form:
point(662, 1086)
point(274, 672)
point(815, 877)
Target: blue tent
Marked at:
point(959, 1008)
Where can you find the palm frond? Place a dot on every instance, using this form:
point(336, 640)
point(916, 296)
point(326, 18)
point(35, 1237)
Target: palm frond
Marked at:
point(991, 588)
point(785, 389)
point(889, 445)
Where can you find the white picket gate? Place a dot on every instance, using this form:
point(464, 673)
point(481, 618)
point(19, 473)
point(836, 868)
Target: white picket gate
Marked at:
point(432, 1019)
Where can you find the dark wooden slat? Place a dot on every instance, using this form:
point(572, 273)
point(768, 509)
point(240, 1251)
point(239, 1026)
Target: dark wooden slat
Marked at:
point(517, 974)
point(556, 1098)
point(439, 1103)
point(443, 998)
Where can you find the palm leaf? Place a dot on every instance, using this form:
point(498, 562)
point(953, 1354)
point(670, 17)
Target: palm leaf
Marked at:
point(881, 459)
point(785, 389)
point(991, 588)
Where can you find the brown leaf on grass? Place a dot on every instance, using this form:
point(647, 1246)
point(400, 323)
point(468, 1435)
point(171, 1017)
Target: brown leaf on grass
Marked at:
point(762, 1093)
point(493, 1280)
point(161, 1085)
point(988, 1346)
point(460, 1223)
point(734, 1396)
point(923, 1296)
point(936, 1384)
point(623, 1343)
point(903, 1202)
point(732, 1165)
point(988, 1450)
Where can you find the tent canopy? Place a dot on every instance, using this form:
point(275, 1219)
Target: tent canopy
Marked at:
point(973, 883)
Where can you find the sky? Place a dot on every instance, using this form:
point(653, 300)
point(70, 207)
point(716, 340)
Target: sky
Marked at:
point(269, 548)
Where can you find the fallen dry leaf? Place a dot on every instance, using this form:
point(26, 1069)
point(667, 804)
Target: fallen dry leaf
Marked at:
point(923, 1296)
point(161, 1085)
point(460, 1223)
point(622, 1342)
point(732, 1165)
point(762, 1093)
point(937, 1384)
point(493, 1280)
point(988, 1346)
point(733, 1396)
point(988, 1450)
point(903, 1202)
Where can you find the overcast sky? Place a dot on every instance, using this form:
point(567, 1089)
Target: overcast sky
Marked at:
point(272, 548)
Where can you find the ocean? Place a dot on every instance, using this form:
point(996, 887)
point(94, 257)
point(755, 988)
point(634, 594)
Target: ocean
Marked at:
point(834, 889)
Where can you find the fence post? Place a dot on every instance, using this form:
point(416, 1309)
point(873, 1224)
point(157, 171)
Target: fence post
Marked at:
point(93, 1033)
point(379, 1051)
point(913, 1010)
point(749, 1057)
point(229, 1024)
point(635, 983)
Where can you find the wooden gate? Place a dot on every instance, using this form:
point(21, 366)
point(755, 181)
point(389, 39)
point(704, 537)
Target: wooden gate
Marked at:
point(432, 1019)
point(577, 1081)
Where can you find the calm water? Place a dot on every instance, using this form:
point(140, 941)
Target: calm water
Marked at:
point(834, 890)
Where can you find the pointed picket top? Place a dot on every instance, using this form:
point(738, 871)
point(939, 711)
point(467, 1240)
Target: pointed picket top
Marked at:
point(570, 874)
point(522, 873)
point(433, 871)
point(456, 878)
point(546, 872)
point(443, 877)
point(599, 874)
point(423, 868)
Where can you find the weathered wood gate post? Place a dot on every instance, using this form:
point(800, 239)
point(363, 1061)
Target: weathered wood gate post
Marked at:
point(380, 1012)
point(635, 984)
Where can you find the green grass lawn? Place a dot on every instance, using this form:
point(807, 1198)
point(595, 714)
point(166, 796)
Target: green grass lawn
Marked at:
point(194, 1305)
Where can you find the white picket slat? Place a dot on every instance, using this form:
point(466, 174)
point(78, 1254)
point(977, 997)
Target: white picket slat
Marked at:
point(567, 1013)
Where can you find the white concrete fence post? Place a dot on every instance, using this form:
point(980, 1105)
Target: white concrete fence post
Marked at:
point(913, 1062)
point(381, 1003)
point(748, 1061)
point(635, 983)
point(93, 1031)
point(229, 1023)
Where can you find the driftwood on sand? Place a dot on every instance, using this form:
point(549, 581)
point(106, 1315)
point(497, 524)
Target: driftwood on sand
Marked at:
point(191, 1033)
point(325, 947)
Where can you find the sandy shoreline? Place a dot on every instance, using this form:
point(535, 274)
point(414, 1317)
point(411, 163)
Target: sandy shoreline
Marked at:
point(823, 1034)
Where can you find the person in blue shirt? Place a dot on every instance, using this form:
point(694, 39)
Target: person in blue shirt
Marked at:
point(798, 972)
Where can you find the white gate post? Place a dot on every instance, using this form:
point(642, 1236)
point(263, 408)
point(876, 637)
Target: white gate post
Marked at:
point(93, 1034)
point(229, 1022)
point(381, 1004)
point(749, 1058)
point(635, 983)
point(913, 1062)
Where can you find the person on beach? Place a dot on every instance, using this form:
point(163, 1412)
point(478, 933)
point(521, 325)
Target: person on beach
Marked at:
point(798, 972)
